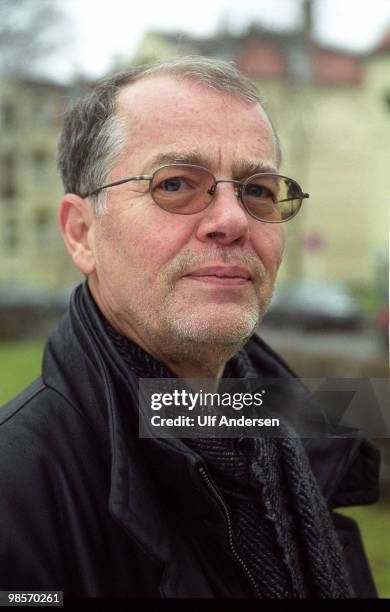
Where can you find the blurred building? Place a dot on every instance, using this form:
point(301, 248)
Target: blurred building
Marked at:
point(31, 249)
point(332, 111)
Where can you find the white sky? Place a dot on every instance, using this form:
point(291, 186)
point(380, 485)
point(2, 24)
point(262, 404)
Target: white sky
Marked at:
point(103, 30)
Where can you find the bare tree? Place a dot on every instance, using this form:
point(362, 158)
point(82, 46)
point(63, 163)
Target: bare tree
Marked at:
point(29, 29)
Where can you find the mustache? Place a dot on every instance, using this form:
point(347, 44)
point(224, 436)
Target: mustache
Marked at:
point(187, 261)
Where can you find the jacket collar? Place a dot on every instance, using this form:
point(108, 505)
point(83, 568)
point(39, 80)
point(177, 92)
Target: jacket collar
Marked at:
point(82, 365)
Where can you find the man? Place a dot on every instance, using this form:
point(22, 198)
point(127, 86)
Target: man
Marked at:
point(173, 212)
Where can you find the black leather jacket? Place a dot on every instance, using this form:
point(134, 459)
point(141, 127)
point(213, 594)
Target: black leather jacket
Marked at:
point(89, 508)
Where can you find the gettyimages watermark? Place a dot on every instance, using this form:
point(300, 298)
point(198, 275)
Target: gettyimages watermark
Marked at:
point(309, 407)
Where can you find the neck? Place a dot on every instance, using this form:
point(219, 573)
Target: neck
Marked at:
point(210, 369)
point(186, 359)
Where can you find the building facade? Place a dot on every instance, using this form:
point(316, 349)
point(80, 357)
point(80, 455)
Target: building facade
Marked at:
point(31, 249)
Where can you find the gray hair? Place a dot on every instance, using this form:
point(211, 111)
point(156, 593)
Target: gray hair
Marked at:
point(93, 138)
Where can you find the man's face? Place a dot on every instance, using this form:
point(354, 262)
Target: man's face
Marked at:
point(174, 282)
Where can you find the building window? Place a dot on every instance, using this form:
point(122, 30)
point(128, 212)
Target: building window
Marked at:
point(386, 98)
point(43, 227)
point(40, 165)
point(11, 234)
point(7, 114)
point(8, 187)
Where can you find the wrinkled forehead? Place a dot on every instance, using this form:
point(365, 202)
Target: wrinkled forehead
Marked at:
point(163, 111)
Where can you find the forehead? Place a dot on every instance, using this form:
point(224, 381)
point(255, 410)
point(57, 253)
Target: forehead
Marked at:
point(162, 115)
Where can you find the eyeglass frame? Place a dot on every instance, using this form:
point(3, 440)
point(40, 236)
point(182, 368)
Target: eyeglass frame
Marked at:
point(240, 188)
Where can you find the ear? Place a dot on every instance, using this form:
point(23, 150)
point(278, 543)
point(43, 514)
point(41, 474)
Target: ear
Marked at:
point(76, 219)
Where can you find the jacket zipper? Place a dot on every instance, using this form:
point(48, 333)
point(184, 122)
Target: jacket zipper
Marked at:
point(213, 489)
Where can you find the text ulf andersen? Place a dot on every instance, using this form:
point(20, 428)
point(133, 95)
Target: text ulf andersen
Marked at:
point(212, 421)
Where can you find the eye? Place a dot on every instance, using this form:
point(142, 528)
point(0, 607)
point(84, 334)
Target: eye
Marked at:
point(254, 190)
point(171, 184)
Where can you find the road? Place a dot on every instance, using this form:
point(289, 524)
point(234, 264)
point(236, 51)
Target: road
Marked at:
point(330, 353)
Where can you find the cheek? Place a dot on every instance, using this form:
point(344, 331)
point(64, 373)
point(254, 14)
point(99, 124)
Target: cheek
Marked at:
point(269, 245)
point(141, 240)
point(159, 235)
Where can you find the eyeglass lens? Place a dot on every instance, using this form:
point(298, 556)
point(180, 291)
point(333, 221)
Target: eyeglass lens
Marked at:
point(188, 190)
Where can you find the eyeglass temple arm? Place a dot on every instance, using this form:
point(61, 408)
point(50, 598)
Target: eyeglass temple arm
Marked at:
point(304, 195)
point(141, 177)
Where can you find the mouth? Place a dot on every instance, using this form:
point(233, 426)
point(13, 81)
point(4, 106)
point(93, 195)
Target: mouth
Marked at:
point(229, 276)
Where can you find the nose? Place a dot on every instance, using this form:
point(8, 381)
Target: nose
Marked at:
point(225, 220)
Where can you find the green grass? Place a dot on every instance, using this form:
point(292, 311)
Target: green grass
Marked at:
point(374, 523)
point(20, 363)
point(370, 302)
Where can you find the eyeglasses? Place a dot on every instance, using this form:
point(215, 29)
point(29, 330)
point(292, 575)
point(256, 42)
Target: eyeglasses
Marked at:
point(185, 189)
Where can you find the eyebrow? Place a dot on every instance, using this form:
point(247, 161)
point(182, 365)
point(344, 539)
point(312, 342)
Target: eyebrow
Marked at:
point(248, 167)
point(178, 157)
point(241, 167)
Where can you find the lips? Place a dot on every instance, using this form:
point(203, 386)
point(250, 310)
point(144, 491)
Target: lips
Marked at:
point(221, 274)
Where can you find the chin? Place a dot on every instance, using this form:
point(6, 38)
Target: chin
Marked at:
point(228, 329)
